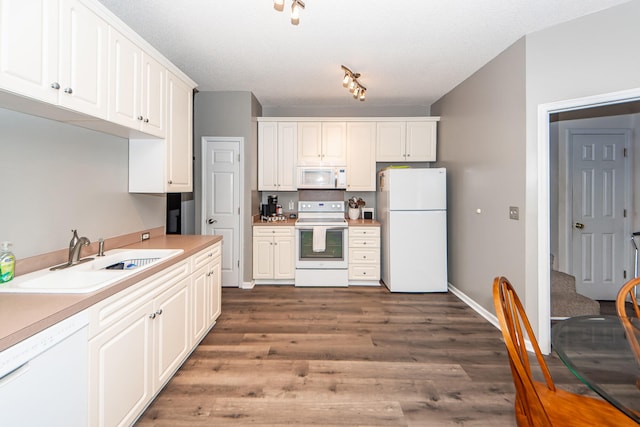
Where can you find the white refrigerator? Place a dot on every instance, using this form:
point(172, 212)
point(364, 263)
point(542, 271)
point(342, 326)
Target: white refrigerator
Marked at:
point(412, 210)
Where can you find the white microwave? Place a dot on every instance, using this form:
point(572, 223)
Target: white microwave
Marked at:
point(322, 177)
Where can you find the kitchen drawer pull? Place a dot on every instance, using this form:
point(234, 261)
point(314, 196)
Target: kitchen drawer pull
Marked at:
point(140, 117)
point(55, 85)
point(68, 90)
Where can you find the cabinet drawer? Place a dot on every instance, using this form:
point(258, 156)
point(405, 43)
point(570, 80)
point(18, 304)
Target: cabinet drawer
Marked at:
point(364, 231)
point(262, 231)
point(364, 242)
point(364, 255)
point(364, 272)
point(112, 309)
point(206, 255)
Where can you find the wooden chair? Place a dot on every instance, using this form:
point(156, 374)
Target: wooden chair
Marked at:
point(628, 291)
point(541, 404)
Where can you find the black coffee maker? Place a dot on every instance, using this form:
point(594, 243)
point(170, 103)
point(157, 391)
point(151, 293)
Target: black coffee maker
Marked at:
point(270, 209)
point(272, 202)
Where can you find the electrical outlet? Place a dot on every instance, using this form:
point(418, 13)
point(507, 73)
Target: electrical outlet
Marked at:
point(145, 236)
point(514, 212)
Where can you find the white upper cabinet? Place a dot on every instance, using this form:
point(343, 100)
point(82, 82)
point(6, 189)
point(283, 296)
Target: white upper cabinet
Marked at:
point(277, 145)
point(55, 52)
point(137, 87)
point(179, 154)
point(406, 141)
point(421, 141)
point(361, 156)
point(166, 165)
point(322, 143)
point(84, 57)
point(29, 48)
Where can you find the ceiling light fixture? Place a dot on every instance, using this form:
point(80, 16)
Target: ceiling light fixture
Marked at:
point(350, 81)
point(296, 5)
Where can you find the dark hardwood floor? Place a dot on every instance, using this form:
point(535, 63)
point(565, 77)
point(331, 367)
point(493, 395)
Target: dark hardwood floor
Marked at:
point(281, 355)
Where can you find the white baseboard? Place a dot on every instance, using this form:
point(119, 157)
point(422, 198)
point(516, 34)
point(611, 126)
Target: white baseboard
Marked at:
point(247, 285)
point(490, 317)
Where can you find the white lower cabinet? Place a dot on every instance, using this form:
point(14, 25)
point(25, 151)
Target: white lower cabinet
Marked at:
point(205, 292)
point(273, 254)
point(142, 335)
point(364, 255)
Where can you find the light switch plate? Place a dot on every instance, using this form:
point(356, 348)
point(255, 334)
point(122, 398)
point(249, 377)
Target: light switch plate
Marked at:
point(514, 212)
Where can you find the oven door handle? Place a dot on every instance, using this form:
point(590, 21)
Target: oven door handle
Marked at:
point(328, 228)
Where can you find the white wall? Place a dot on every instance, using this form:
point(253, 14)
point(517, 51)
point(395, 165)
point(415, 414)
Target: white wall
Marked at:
point(56, 177)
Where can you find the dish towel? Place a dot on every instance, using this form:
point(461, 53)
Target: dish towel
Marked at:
point(319, 239)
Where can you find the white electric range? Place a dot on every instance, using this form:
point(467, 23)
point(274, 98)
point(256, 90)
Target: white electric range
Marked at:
point(322, 242)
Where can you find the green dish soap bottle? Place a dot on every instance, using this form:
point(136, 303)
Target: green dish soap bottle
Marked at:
point(7, 262)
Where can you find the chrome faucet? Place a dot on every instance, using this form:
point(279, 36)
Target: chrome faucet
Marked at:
point(75, 246)
point(74, 255)
point(73, 243)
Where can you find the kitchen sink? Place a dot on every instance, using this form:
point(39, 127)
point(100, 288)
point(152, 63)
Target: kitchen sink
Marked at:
point(92, 275)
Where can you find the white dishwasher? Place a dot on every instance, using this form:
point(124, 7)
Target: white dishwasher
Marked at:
point(43, 379)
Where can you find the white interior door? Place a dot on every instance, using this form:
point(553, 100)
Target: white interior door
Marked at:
point(598, 174)
point(221, 201)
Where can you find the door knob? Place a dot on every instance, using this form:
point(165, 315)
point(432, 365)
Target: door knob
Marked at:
point(212, 221)
point(579, 225)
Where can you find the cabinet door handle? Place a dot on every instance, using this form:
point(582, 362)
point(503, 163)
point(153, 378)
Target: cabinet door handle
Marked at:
point(55, 85)
point(146, 120)
point(159, 312)
point(170, 182)
point(140, 117)
point(68, 90)
point(212, 221)
point(152, 316)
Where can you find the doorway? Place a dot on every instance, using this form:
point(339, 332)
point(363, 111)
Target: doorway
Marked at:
point(544, 226)
point(222, 202)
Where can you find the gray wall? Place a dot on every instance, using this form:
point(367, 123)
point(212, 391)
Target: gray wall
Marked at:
point(231, 114)
point(357, 109)
point(56, 177)
point(481, 143)
point(488, 139)
point(596, 54)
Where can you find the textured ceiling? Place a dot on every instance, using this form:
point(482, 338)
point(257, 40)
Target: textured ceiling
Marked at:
point(409, 53)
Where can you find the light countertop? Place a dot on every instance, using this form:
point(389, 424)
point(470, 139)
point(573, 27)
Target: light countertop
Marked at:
point(23, 315)
point(290, 222)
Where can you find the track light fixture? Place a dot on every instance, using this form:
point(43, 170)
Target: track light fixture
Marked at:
point(296, 5)
point(350, 81)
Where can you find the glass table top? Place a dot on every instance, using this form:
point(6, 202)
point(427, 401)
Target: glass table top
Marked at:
point(597, 351)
